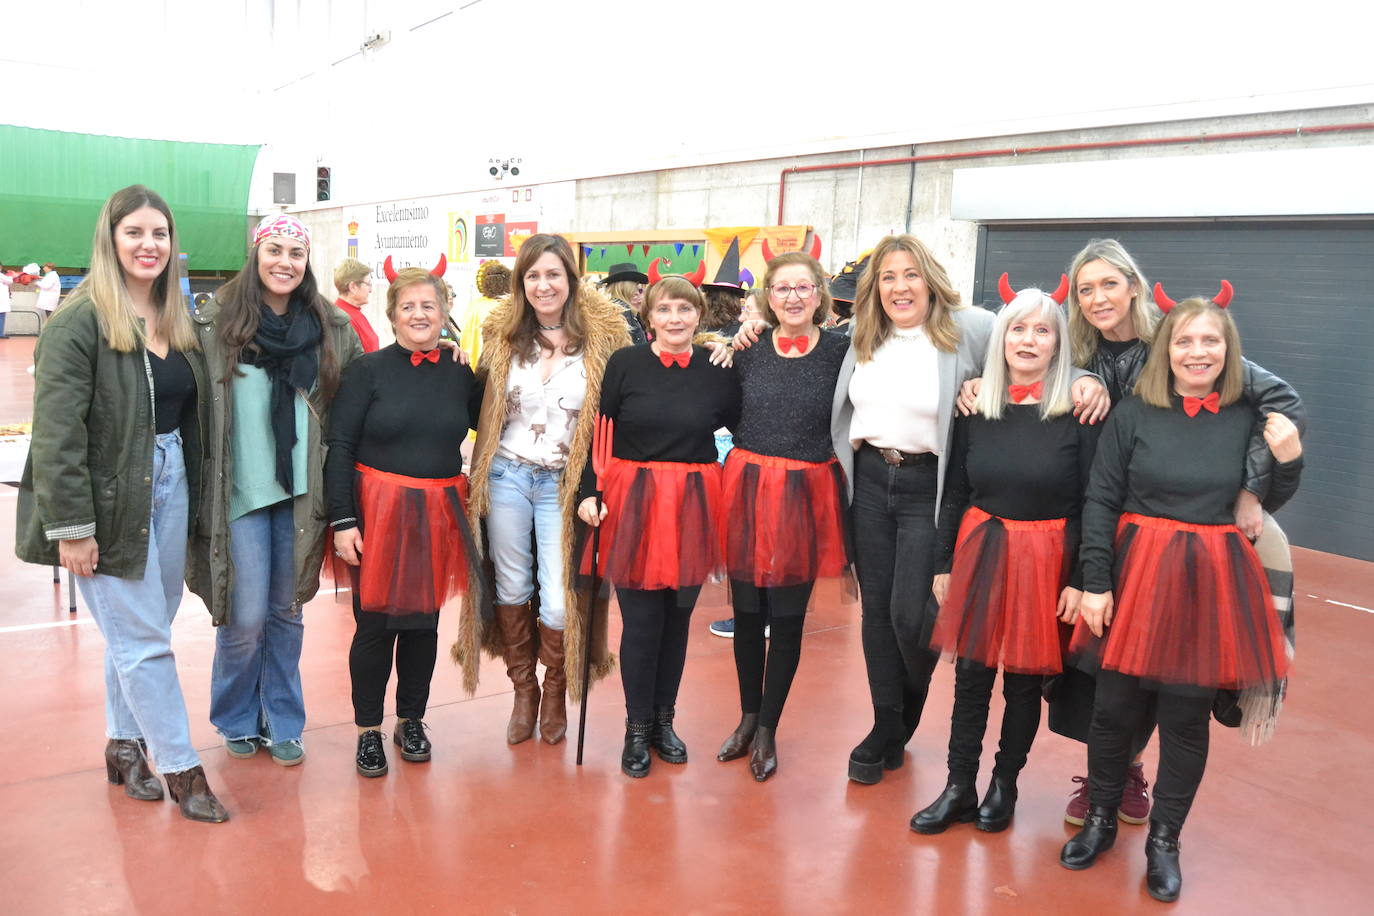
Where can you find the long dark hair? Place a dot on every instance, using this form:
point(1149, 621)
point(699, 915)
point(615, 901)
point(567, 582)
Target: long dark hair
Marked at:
point(240, 304)
point(522, 329)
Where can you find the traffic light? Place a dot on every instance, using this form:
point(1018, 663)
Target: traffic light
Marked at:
point(322, 180)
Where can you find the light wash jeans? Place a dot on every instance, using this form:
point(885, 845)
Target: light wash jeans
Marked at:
point(142, 694)
point(525, 497)
point(255, 691)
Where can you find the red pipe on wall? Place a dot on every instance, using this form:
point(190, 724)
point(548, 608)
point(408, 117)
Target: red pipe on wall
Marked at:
point(1067, 147)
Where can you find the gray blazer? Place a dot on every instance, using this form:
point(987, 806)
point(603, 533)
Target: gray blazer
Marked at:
point(966, 362)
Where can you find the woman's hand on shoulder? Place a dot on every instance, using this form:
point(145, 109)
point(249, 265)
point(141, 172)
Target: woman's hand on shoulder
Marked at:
point(459, 354)
point(722, 354)
point(748, 333)
point(81, 556)
point(1282, 435)
point(968, 396)
point(1096, 610)
point(1090, 400)
point(592, 511)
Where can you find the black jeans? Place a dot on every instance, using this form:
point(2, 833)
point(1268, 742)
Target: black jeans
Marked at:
point(653, 646)
point(972, 694)
point(784, 609)
point(1184, 731)
point(369, 664)
point(894, 541)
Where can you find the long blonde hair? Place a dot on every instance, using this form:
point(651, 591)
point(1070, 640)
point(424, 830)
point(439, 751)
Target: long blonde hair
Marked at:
point(1156, 383)
point(104, 283)
point(872, 326)
point(1144, 315)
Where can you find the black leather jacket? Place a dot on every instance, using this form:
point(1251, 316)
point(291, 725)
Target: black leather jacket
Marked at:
point(1265, 391)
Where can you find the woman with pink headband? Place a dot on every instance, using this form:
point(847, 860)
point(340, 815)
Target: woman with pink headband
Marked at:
point(275, 349)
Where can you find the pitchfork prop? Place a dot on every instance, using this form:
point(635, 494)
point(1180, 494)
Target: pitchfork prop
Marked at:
point(601, 459)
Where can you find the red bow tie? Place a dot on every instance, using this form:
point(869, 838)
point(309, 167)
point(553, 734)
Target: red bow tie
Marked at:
point(1192, 405)
point(787, 343)
point(416, 357)
point(679, 359)
point(1020, 392)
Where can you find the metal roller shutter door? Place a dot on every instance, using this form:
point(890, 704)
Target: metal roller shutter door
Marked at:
point(1305, 306)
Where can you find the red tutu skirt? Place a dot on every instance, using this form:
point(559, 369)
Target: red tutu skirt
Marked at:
point(785, 522)
point(660, 528)
point(1003, 598)
point(416, 541)
point(1192, 607)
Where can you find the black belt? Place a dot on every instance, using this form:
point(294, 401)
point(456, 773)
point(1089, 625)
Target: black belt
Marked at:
point(903, 459)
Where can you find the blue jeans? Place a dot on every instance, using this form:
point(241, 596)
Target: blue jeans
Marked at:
point(525, 498)
point(255, 691)
point(142, 694)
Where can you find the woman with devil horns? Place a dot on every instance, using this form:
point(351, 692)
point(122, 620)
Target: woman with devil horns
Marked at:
point(1006, 566)
point(1170, 581)
point(275, 348)
point(544, 350)
point(660, 539)
point(397, 504)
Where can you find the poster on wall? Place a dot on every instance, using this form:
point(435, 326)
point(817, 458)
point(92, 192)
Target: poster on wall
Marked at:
point(466, 229)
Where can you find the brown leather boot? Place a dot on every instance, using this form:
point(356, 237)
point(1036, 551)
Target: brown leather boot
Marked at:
point(516, 623)
point(126, 765)
point(192, 793)
point(553, 709)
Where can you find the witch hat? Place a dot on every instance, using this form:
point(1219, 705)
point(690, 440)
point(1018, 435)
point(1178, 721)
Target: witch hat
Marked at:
point(727, 276)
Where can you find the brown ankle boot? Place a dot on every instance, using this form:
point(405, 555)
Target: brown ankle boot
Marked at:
point(516, 623)
point(553, 709)
point(190, 791)
point(125, 764)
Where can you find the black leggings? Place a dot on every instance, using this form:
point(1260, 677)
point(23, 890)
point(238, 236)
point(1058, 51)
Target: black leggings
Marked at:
point(972, 694)
point(369, 664)
point(653, 646)
point(1184, 732)
point(784, 609)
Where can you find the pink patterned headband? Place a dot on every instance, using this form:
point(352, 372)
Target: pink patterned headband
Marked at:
point(284, 226)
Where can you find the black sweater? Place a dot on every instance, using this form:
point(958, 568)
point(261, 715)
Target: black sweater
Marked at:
point(398, 418)
point(665, 413)
point(1018, 467)
point(1160, 462)
point(786, 406)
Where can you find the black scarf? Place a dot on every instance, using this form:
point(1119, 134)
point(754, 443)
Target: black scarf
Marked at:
point(286, 347)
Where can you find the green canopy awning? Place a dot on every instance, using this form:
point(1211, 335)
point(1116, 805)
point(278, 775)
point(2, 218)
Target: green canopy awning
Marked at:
point(53, 183)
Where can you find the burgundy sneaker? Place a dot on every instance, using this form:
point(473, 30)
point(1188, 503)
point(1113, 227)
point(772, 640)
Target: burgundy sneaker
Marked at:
point(1135, 800)
point(1078, 802)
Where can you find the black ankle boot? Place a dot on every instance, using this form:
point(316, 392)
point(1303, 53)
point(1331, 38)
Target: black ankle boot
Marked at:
point(957, 804)
point(634, 759)
point(881, 749)
point(669, 746)
point(994, 814)
point(1096, 837)
point(1163, 879)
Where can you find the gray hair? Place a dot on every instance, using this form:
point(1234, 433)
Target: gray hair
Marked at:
point(1057, 398)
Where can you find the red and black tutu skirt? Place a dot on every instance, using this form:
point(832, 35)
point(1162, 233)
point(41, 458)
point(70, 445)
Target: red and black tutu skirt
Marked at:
point(660, 529)
point(785, 520)
point(417, 545)
point(1192, 608)
point(1003, 599)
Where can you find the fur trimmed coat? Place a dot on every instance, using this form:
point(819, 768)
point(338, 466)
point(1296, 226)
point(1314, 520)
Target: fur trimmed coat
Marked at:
point(477, 631)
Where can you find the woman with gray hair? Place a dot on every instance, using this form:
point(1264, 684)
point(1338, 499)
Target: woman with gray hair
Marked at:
point(1005, 550)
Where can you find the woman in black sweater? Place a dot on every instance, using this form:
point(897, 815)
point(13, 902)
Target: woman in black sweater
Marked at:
point(394, 472)
point(1019, 467)
point(660, 540)
point(1170, 578)
point(783, 497)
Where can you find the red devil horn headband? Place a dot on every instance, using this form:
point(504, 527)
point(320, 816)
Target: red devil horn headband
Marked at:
point(390, 271)
point(1221, 299)
point(1061, 292)
point(814, 250)
point(653, 271)
point(694, 278)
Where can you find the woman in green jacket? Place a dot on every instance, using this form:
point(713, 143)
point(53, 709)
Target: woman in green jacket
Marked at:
point(113, 478)
point(275, 348)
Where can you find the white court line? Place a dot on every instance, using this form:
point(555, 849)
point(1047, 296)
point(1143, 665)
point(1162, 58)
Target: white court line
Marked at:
point(44, 626)
point(1367, 610)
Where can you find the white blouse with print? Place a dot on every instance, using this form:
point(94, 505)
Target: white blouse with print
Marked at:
point(542, 416)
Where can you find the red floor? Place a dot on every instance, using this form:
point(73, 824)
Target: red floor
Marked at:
point(487, 828)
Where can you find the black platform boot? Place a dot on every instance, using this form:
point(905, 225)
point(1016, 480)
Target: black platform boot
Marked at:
point(994, 814)
point(1163, 879)
point(881, 749)
point(669, 746)
point(634, 759)
point(957, 804)
point(1096, 837)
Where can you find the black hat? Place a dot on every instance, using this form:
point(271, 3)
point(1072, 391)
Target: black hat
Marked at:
point(625, 271)
point(727, 276)
point(844, 285)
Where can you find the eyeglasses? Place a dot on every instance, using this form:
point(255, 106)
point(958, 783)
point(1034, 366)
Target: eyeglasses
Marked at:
point(804, 291)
